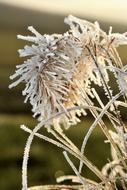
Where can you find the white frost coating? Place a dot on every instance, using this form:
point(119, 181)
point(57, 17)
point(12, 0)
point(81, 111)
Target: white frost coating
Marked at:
point(59, 63)
point(61, 75)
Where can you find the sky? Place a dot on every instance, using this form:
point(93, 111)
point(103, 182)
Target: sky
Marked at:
point(106, 10)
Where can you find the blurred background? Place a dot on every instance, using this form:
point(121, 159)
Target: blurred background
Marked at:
point(46, 161)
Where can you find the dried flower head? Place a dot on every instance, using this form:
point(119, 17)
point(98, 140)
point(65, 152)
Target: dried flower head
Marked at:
point(60, 69)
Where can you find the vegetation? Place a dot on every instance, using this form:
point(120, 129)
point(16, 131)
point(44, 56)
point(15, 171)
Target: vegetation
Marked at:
point(62, 77)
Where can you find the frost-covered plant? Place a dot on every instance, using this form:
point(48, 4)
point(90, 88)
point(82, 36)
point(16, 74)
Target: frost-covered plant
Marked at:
point(62, 76)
